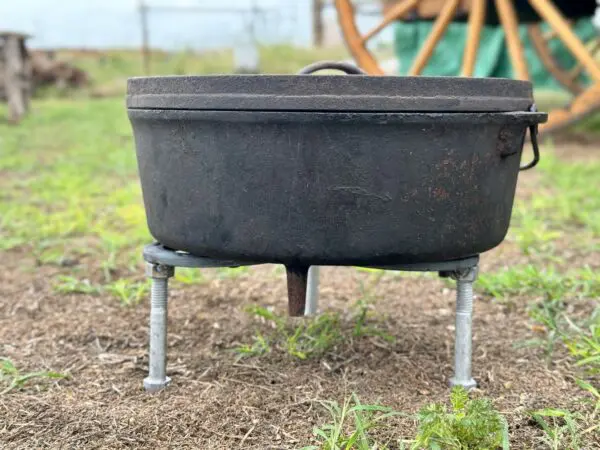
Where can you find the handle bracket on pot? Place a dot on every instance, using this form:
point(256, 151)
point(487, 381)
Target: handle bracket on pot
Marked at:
point(533, 134)
point(347, 68)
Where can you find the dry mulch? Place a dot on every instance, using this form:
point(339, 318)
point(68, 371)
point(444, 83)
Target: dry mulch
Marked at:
point(267, 402)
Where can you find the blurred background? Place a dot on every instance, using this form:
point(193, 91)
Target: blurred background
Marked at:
point(109, 40)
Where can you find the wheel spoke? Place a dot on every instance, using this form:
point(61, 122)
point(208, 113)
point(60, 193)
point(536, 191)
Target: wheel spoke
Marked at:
point(576, 71)
point(439, 28)
point(555, 19)
point(396, 12)
point(542, 48)
point(476, 20)
point(551, 34)
point(510, 23)
point(352, 36)
point(583, 105)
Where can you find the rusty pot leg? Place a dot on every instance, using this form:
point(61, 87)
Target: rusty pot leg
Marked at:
point(297, 278)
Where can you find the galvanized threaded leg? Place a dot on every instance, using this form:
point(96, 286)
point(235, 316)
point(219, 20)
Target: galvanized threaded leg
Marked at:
point(464, 317)
point(157, 377)
point(312, 292)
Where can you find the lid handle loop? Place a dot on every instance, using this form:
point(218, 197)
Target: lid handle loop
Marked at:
point(347, 68)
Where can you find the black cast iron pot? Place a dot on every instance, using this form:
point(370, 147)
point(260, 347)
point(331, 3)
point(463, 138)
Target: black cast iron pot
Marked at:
point(330, 170)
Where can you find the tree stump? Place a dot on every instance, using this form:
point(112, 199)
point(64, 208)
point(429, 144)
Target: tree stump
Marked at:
point(15, 74)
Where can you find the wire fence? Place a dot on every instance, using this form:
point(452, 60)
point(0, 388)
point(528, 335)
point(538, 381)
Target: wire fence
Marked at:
point(170, 24)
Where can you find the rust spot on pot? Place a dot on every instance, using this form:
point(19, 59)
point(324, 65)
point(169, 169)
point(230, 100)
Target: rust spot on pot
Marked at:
point(439, 193)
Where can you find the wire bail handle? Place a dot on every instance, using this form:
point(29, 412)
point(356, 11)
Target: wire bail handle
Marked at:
point(533, 135)
point(347, 68)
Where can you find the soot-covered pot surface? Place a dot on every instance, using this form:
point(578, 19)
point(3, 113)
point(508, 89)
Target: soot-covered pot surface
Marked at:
point(329, 169)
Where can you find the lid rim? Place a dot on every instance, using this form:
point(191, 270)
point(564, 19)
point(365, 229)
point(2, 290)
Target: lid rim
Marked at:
point(331, 93)
point(326, 102)
point(507, 117)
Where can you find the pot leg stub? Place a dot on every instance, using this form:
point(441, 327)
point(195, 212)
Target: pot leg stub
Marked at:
point(297, 280)
point(464, 318)
point(157, 376)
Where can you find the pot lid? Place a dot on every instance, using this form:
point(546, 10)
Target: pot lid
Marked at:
point(356, 93)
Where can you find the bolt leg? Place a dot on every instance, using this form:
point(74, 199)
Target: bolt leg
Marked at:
point(157, 377)
point(463, 340)
point(312, 293)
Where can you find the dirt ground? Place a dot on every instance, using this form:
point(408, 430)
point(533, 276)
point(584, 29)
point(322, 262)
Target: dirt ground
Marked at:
point(267, 402)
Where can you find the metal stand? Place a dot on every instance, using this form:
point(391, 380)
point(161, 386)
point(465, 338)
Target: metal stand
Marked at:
point(157, 375)
point(161, 262)
point(464, 318)
point(464, 271)
point(312, 292)
point(160, 266)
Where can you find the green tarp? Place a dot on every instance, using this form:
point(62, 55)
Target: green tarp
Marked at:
point(492, 58)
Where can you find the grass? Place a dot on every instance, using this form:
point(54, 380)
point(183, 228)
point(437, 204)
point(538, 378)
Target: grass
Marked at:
point(541, 282)
point(351, 427)
point(126, 291)
point(12, 378)
point(584, 343)
point(563, 212)
point(566, 204)
point(71, 192)
point(562, 429)
point(315, 336)
point(562, 296)
point(469, 424)
point(80, 184)
point(309, 337)
point(574, 203)
point(189, 276)
point(555, 292)
point(71, 285)
point(595, 394)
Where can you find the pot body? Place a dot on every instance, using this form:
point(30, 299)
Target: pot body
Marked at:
point(327, 188)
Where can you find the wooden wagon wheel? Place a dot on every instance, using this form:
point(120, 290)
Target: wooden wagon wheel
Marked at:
point(585, 102)
point(568, 77)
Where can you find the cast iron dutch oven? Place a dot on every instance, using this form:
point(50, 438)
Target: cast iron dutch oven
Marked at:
point(330, 169)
